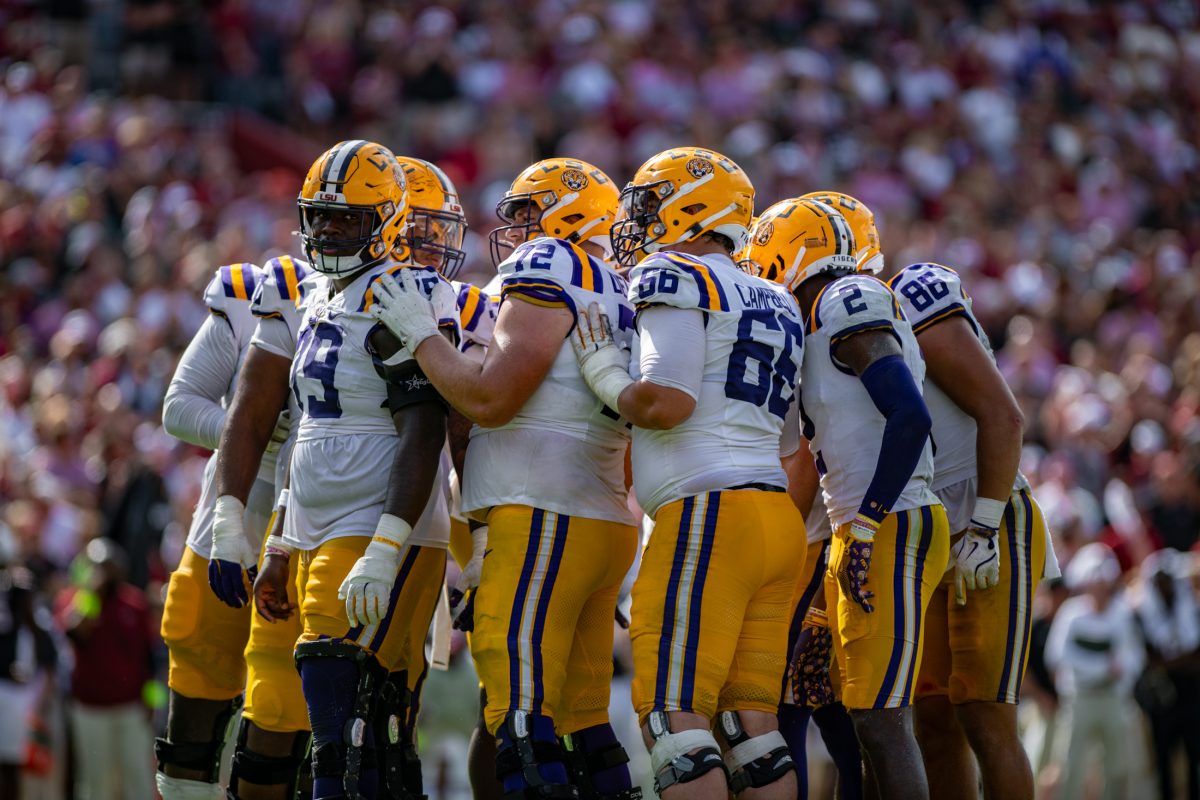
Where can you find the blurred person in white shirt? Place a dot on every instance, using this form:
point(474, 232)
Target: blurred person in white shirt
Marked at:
point(1096, 655)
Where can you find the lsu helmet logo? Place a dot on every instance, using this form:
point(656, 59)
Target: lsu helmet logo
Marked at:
point(574, 179)
point(699, 167)
point(764, 233)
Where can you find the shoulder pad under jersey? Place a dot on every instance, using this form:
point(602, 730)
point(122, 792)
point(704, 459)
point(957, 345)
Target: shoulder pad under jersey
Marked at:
point(853, 304)
point(283, 287)
point(674, 279)
point(546, 270)
point(476, 314)
point(929, 293)
point(232, 285)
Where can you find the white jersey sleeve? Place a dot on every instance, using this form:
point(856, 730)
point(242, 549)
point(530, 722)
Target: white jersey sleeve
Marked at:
point(193, 409)
point(278, 305)
point(930, 293)
point(228, 296)
point(852, 305)
point(666, 279)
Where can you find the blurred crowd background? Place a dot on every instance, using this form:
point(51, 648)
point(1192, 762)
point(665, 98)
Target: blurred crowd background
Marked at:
point(1046, 149)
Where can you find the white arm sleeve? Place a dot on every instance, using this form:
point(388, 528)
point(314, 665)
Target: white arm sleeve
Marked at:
point(192, 408)
point(273, 335)
point(672, 347)
point(789, 439)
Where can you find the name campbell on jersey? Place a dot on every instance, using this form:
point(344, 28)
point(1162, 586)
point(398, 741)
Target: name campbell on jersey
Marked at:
point(754, 343)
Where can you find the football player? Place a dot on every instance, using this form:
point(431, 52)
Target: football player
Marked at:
point(435, 237)
point(364, 505)
point(711, 385)
point(976, 646)
point(868, 431)
point(545, 470)
point(273, 739)
point(205, 630)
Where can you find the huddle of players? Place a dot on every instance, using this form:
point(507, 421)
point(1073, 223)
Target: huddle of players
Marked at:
point(695, 344)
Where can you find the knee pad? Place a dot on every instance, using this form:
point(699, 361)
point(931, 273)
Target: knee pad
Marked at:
point(200, 756)
point(669, 757)
point(395, 750)
point(351, 753)
point(584, 762)
point(261, 770)
point(753, 761)
point(524, 750)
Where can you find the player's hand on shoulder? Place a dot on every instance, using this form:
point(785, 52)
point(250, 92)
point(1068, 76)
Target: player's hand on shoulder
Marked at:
point(405, 308)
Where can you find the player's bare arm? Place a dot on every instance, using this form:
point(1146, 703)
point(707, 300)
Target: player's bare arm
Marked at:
point(260, 396)
point(958, 363)
point(526, 341)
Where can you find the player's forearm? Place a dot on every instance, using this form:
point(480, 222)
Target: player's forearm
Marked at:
point(422, 432)
point(998, 442)
point(464, 383)
point(648, 405)
point(243, 440)
point(192, 418)
point(895, 394)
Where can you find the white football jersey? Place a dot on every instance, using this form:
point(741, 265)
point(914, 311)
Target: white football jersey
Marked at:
point(564, 451)
point(228, 297)
point(929, 293)
point(842, 424)
point(753, 345)
point(346, 439)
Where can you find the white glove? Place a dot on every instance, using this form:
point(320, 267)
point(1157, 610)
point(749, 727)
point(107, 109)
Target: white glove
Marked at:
point(604, 365)
point(469, 578)
point(368, 588)
point(229, 533)
point(283, 429)
point(402, 306)
point(976, 562)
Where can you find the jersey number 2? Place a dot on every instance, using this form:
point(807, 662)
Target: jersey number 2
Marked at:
point(318, 355)
point(772, 379)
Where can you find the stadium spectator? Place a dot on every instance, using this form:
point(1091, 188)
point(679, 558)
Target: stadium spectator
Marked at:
point(1096, 654)
point(1164, 601)
point(109, 625)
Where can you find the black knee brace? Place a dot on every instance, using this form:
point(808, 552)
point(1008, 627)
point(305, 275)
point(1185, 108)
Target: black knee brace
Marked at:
point(352, 755)
point(753, 761)
point(396, 752)
point(582, 765)
point(260, 770)
point(524, 756)
point(200, 756)
point(670, 759)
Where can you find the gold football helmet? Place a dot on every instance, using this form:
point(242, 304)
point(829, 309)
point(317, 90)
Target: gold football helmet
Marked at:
point(796, 239)
point(862, 223)
point(436, 223)
point(678, 195)
point(560, 197)
point(353, 206)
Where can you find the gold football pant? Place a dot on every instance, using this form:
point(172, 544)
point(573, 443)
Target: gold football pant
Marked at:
point(712, 603)
point(978, 651)
point(205, 638)
point(398, 640)
point(274, 700)
point(879, 654)
point(544, 614)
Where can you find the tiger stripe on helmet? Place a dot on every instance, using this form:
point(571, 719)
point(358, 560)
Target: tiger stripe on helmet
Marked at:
point(338, 163)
